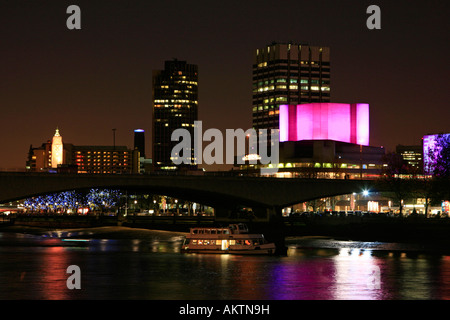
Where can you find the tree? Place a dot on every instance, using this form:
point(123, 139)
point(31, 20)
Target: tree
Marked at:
point(67, 201)
point(426, 189)
point(392, 179)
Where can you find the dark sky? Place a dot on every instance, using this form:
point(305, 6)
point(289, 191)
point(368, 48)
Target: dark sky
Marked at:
point(89, 81)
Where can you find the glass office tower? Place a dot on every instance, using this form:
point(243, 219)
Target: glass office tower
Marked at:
point(288, 74)
point(175, 105)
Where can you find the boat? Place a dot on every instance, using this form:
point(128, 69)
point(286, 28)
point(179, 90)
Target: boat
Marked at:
point(233, 239)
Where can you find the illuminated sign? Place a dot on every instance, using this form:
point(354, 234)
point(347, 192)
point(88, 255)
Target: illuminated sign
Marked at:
point(445, 206)
point(251, 157)
point(325, 121)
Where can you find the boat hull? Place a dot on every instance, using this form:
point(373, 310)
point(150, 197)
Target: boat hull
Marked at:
point(237, 252)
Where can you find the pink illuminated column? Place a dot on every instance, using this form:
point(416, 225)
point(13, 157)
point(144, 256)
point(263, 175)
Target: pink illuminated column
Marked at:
point(284, 123)
point(288, 123)
point(305, 121)
point(339, 126)
point(362, 124)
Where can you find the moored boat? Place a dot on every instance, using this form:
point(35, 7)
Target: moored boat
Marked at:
point(233, 239)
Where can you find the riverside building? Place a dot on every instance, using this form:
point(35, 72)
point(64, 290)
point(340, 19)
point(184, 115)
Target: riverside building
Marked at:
point(105, 159)
point(325, 140)
point(56, 156)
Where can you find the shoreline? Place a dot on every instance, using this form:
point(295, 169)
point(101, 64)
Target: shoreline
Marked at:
point(102, 232)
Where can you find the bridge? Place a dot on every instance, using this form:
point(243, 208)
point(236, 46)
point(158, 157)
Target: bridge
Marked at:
point(219, 192)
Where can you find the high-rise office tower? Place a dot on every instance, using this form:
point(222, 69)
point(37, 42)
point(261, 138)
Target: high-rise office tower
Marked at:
point(175, 105)
point(288, 74)
point(139, 141)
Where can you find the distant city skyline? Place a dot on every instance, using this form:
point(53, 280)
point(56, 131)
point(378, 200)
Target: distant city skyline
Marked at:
point(89, 81)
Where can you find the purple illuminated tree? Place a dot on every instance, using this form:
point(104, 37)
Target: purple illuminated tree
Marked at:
point(439, 157)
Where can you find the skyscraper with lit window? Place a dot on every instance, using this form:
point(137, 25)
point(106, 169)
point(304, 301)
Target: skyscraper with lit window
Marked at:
point(175, 105)
point(288, 74)
point(139, 141)
point(412, 156)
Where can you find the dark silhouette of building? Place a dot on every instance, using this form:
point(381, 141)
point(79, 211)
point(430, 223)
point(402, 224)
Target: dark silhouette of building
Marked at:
point(139, 142)
point(412, 156)
point(175, 105)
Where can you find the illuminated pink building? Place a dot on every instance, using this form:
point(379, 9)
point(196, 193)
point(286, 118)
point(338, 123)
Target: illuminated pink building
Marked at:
point(325, 121)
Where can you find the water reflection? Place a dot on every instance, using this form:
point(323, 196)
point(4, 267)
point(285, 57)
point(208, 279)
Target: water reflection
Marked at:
point(154, 268)
point(51, 282)
point(310, 279)
point(358, 276)
point(443, 277)
point(327, 274)
point(361, 274)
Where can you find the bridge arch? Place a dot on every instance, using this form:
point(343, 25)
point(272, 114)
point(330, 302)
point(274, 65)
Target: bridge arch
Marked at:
point(214, 191)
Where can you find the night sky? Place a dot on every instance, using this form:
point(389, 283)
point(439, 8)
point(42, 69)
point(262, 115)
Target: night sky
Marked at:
point(89, 81)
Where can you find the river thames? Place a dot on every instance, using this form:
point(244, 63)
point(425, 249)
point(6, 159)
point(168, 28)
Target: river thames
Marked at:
point(123, 263)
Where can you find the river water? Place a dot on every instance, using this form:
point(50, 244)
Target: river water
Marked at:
point(143, 264)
